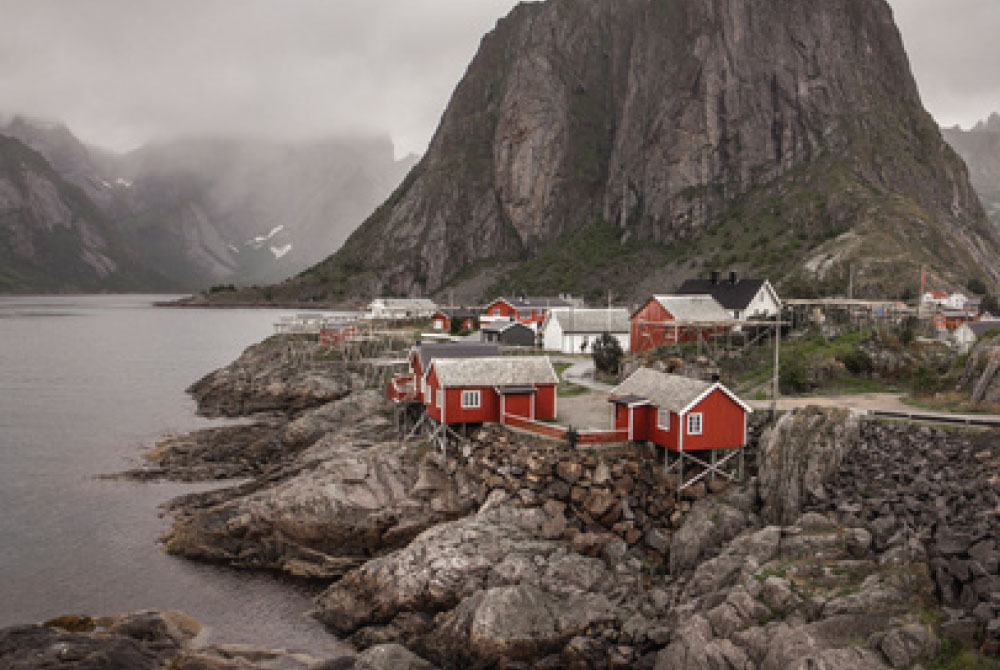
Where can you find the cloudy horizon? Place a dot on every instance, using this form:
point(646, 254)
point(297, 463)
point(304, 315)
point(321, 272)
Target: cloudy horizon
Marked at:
point(123, 73)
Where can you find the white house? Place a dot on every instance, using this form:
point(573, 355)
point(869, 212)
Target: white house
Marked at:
point(956, 301)
point(401, 308)
point(573, 331)
point(742, 298)
point(965, 336)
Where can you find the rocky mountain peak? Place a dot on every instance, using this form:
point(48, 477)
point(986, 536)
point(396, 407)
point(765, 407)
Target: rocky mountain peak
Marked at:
point(741, 132)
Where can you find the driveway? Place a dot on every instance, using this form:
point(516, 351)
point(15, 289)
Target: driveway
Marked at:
point(581, 371)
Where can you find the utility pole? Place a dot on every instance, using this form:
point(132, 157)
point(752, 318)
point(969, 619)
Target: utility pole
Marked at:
point(850, 281)
point(777, 350)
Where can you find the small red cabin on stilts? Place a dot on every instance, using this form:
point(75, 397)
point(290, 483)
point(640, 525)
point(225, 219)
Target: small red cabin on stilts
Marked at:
point(486, 390)
point(670, 319)
point(684, 417)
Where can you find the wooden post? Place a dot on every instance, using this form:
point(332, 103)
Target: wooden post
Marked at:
point(777, 359)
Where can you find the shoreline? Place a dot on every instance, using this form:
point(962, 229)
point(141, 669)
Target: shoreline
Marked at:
point(567, 558)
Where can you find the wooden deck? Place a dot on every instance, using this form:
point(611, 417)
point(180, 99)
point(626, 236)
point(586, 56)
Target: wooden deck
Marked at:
point(556, 432)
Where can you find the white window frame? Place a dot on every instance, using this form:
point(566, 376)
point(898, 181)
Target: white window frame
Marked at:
point(475, 399)
point(440, 399)
point(427, 394)
point(659, 420)
point(691, 420)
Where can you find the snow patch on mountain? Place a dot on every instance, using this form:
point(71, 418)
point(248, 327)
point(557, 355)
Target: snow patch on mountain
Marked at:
point(281, 251)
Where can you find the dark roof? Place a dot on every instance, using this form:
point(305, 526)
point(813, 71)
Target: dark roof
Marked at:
point(627, 400)
point(981, 327)
point(431, 350)
point(726, 293)
point(504, 326)
point(516, 390)
point(535, 303)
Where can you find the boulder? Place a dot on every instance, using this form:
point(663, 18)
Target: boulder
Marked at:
point(798, 455)
point(390, 657)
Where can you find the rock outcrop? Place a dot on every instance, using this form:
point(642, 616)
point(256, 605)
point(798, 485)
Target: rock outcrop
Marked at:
point(794, 133)
point(283, 374)
point(982, 373)
point(799, 454)
point(141, 641)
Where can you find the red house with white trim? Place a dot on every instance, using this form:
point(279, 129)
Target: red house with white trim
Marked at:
point(409, 387)
point(485, 390)
point(443, 318)
point(669, 319)
point(529, 311)
point(679, 414)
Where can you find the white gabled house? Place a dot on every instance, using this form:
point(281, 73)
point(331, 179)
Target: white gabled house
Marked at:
point(742, 298)
point(573, 330)
point(400, 308)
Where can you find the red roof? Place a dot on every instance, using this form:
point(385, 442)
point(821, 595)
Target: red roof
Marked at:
point(939, 294)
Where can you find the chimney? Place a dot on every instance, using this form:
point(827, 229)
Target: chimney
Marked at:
point(734, 278)
point(715, 277)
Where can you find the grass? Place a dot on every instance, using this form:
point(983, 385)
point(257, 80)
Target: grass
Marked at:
point(955, 657)
point(567, 389)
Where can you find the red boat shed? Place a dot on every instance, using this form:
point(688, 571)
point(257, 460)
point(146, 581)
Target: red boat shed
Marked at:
point(486, 390)
point(529, 311)
point(669, 319)
point(679, 414)
point(410, 387)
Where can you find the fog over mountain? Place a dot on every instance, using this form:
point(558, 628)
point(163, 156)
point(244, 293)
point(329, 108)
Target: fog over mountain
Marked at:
point(122, 73)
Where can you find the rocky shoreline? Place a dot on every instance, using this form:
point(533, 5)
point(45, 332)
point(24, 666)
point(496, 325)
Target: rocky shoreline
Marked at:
point(853, 544)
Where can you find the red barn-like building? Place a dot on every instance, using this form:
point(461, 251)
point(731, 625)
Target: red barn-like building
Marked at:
point(679, 414)
point(662, 320)
point(529, 311)
point(410, 387)
point(485, 390)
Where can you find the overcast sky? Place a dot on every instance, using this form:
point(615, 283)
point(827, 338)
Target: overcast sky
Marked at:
point(123, 72)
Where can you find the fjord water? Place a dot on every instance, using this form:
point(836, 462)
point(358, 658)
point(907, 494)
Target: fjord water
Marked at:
point(86, 385)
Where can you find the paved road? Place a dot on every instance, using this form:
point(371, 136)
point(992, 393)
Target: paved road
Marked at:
point(884, 404)
point(581, 371)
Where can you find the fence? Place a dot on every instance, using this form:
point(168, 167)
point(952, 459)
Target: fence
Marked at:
point(557, 432)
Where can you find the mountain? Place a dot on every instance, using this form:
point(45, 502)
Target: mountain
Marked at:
point(628, 144)
point(227, 210)
point(980, 148)
point(205, 211)
point(54, 238)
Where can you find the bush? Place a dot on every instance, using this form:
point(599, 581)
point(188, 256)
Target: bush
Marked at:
point(909, 330)
point(925, 381)
point(977, 286)
point(793, 377)
point(857, 362)
point(607, 352)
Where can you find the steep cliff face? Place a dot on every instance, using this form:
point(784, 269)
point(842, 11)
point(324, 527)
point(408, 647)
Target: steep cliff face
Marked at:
point(980, 148)
point(785, 137)
point(53, 238)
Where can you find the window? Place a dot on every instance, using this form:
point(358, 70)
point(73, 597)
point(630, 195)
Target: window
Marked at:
point(440, 399)
point(694, 424)
point(496, 311)
point(471, 399)
point(427, 395)
point(663, 419)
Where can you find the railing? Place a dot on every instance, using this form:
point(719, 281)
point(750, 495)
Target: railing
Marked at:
point(557, 432)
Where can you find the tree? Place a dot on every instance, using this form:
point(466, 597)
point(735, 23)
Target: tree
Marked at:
point(976, 285)
point(607, 353)
point(989, 305)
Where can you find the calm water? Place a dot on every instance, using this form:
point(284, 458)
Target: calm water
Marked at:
point(86, 385)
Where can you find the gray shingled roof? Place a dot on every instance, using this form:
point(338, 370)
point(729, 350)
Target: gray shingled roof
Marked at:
point(591, 320)
point(499, 371)
point(980, 327)
point(666, 391)
point(693, 307)
point(408, 303)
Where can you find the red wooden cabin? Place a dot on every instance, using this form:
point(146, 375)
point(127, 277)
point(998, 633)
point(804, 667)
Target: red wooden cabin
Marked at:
point(409, 387)
point(679, 414)
point(443, 318)
point(669, 319)
point(485, 390)
point(529, 311)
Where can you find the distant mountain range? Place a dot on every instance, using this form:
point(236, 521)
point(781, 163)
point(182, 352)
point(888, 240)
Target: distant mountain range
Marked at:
point(980, 148)
point(185, 214)
point(631, 144)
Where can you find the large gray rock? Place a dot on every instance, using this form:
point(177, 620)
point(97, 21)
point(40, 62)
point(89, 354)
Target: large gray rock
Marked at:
point(346, 502)
point(279, 374)
point(390, 657)
point(711, 523)
point(799, 454)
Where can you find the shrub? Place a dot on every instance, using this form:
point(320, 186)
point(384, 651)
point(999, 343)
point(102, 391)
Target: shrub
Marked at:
point(607, 352)
point(793, 377)
point(925, 381)
point(977, 286)
point(857, 362)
